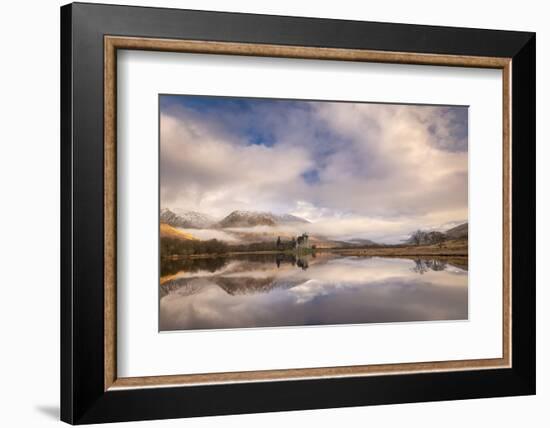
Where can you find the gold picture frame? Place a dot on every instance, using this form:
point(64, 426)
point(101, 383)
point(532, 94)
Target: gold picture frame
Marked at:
point(114, 43)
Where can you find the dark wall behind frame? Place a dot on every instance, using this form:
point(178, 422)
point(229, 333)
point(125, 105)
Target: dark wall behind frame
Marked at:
point(83, 27)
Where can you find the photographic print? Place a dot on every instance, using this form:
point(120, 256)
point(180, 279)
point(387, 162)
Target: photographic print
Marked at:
point(281, 212)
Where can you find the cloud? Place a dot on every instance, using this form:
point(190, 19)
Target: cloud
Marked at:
point(211, 172)
point(351, 168)
point(394, 164)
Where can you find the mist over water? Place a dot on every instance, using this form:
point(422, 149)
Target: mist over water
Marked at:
point(276, 290)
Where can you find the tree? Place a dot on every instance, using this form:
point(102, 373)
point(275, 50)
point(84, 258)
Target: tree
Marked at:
point(437, 238)
point(426, 238)
point(417, 237)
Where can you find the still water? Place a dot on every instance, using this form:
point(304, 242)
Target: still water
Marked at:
point(282, 290)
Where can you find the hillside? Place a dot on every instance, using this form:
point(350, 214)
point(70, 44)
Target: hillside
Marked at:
point(458, 232)
point(167, 231)
point(452, 247)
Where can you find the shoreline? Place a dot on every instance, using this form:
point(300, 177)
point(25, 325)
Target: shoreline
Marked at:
point(406, 252)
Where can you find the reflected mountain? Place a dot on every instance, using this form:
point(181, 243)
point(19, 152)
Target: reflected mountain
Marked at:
point(249, 285)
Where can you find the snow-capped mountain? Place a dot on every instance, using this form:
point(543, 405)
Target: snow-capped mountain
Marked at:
point(289, 218)
point(186, 219)
point(255, 218)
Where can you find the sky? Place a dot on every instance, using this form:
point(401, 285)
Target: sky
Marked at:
point(354, 170)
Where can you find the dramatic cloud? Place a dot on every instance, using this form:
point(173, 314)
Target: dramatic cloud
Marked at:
point(352, 169)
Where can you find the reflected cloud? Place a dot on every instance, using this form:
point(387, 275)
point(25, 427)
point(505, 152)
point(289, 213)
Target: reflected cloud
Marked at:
point(332, 290)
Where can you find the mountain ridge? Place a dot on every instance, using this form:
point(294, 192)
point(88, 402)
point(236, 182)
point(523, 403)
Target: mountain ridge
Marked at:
point(237, 218)
point(186, 219)
point(241, 218)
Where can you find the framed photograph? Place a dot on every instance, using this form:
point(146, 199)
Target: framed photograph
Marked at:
point(266, 213)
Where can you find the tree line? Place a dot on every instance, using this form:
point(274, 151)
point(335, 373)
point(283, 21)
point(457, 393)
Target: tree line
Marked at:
point(173, 246)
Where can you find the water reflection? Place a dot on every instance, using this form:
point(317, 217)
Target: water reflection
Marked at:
point(267, 290)
point(422, 266)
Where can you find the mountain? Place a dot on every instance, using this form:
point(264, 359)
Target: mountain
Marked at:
point(247, 219)
point(255, 218)
point(186, 219)
point(458, 232)
point(362, 242)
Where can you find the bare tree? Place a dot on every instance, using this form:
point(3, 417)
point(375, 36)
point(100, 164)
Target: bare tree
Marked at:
point(426, 238)
point(417, 237)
